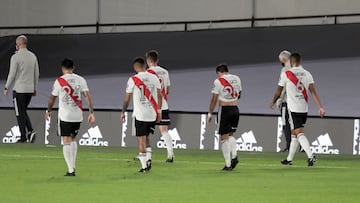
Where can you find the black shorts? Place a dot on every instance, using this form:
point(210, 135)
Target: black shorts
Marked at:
point(228, 119)
point(68, 128)
point(144, 128)
point(297, 120)
point(165, 118)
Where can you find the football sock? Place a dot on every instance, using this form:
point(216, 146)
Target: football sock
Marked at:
point(168, 143)
point(74, 147)
point(148, 153)
point(142, 158)
point(305, 144)
point(233, 147)
point(225, 146)
point(293, 148)
point(67, 156)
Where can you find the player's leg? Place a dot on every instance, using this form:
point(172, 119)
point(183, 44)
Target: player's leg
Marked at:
point(30, 131)
point(148, 153)
point(20, 112)
point(287, 129)
point(224, 131)
point(65, 129)
point(142, 152)
point(294, 142)
point(232, 140)
point(73, 144)
point(164, 130)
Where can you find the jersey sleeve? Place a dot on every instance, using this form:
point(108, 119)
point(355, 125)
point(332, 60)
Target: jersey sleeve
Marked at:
point(240, 86)
point(56, 89)
point(217, 87)
point(311, 79)
point(282, 80)
point(84, 86)
point(167, 79)
point(130, 86)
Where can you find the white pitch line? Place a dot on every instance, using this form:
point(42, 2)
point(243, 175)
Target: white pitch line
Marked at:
point(191, 162)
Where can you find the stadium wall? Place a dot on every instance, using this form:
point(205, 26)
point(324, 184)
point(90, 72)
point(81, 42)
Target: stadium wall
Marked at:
point(256, 133)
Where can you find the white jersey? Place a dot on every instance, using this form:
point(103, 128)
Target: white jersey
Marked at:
point(69, 89)
point(144, 86)
point(296, 82)
point(282, 98)
point(164, 78)
point(227, 87)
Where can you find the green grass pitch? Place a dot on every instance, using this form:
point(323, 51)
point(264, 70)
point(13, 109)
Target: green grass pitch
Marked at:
point(34, 173)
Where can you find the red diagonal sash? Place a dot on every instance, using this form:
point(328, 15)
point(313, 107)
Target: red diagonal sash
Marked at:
point(292, 77)
point(163, 90)
point(226, 84)
point(70, 91)
point(138, 82)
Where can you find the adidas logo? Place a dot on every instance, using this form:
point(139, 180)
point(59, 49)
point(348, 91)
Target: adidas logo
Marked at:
point(175, 140)
point(247, 141)
point(93, 138)
point(13, 135)
point(321, 145)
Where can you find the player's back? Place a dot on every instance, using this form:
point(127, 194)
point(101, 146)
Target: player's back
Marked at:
point(297, 88)
point(145, 87)
point(69, 88)
point(228, 87)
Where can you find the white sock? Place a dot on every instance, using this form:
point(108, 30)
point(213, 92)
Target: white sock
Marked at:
point(305, 144)
point(294, 144)
point(225, 146)
point(233, 147)
point(74, 147)
point(168, 143)
point(142, 158)
point(148, 153)
point(67, 156)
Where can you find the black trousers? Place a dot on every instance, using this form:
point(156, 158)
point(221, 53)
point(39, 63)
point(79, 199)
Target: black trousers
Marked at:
point(286, 126)
point(21, 103)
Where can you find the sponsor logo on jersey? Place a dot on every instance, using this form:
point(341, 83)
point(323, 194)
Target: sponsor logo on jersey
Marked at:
point(93, 137)
point(176, 140)
point(247, 142)
point(12, 136)
point(356, 145)
point(323, 145)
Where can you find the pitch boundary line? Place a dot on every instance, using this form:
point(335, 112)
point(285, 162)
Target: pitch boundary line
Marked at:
point(181, 161)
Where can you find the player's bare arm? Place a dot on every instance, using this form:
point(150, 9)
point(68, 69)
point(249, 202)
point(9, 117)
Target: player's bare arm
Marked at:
point(167, 90)
point(159, 105)
point(91, 117)
point(317, 100)
point(51, 103)
point(213, 102)
point(126, 102)
point(276, 96)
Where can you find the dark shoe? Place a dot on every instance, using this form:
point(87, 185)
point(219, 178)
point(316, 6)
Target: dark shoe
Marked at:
point(311, 161)
point(285, 150)
point(32, 136)
point(286, 162)
point(170, 160)
point(148, 164)
point(227, 168)
point(234, 162)
point(70, 174)
point(136, 158)
point(143, 170)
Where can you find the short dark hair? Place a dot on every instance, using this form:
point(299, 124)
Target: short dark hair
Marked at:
point(153, 55)
point(296, 57)
point(139, 60)
point(67, 63)
point(222, 68)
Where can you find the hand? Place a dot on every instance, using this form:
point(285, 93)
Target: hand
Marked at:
point(209, 117)
point(47, 115)
point(34, 93)
point(5, 92)
point(158, 118)
point(322, 112)
point(271, 105)
point(122, 117)
point(91, 118)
